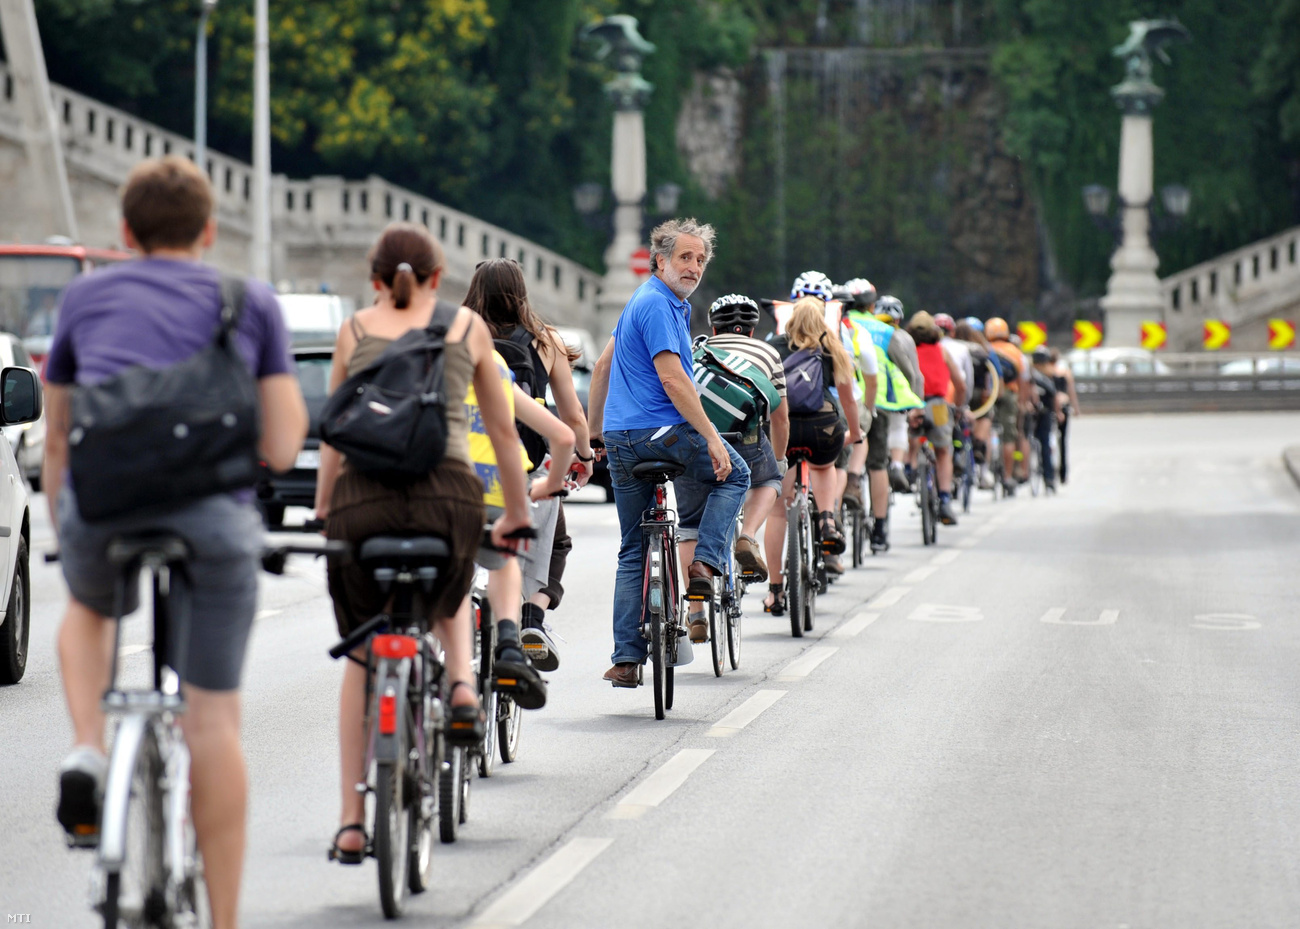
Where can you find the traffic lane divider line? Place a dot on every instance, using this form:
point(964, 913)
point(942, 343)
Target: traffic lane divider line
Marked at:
point(919, 574)
point(802, 666)
point(855, 625)
point(522, 901)
point(888, 597)
point(746, 713)
point(1056, 617)
point(660, 785)
point(945, 558)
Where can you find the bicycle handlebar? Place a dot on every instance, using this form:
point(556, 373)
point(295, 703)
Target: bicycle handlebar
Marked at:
point(275, 557)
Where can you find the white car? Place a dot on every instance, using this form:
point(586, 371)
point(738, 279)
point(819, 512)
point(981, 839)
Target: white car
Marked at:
point(1248, 366)
point(315, 318)
point(582, 340)
point(28, 439)
point(22, 403)
point(1114, 362)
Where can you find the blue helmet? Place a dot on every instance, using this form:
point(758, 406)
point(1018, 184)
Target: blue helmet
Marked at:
point(975, 323)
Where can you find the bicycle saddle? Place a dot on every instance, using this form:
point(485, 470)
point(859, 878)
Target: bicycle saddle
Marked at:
point(405, 552)
point(798, 454)
point(658, 472)
point(125, 549)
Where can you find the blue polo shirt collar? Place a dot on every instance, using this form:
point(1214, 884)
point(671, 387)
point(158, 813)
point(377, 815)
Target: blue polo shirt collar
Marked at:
point(682, 306)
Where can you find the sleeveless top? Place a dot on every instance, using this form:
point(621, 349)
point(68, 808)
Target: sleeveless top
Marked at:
point(934, 369)
point(457, 374)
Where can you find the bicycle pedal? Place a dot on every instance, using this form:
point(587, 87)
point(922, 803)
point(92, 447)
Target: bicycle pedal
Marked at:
point(89, 838)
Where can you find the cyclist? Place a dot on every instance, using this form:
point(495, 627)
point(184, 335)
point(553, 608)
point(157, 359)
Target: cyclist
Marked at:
point(158, 310)
point(1013, 402)
point(894, 395)
point(643, 398)
point(406, 267)
point(822, 431)
point(984, 383)
point(1064, 380)
point(889, 310)
point(943, 384)
point(499, 294)
point(1047, 410)
point(849, 467)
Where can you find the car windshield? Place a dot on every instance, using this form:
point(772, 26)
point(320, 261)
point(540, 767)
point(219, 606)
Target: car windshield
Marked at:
point(314, 376)
point(29, 294)
point(314, 317)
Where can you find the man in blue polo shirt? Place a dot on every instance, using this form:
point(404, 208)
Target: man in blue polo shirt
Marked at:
point(644, 401)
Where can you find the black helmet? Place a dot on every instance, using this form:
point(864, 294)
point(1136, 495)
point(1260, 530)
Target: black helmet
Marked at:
point(734, 313)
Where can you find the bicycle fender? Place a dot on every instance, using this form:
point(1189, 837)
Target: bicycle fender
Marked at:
point(177, 815)
point(117, 792)
point(394, 675)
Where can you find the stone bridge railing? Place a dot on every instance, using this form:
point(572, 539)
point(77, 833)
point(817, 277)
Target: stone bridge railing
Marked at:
point(1241, 287)
point(321, 227)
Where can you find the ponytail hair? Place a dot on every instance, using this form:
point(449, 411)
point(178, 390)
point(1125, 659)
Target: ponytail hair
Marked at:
point(404, 257)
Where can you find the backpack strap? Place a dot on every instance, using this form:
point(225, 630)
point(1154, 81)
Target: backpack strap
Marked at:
point(444, 314)
point(234, 292)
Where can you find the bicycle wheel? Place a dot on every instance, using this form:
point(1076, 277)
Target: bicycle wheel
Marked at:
point(814, 568)
point(422, 804)
point(657, 657)
point(718, 636)
point(968, 479)
point(794, 564)
point(859, 536)
point(1035, 467)
point(510, 720)
point(135, 894)
point(490, 698)
point(451, 781)
point(392, 824)
point(924, 487)
point(933, 497)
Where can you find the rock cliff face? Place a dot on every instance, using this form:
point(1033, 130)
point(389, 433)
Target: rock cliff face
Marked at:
point(887, 164)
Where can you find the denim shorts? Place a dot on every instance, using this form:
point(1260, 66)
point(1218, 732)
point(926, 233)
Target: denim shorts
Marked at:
point(692, 495)
point(225, 536)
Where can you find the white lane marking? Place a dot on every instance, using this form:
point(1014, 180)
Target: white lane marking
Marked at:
point(518, 904)
point(804, 664)
point(266, 614)
point(659, 786)
point(942, 613)
point(919, 575)
point(888, 597)
point(126, 651)
point(985, 530)
point(944, 558)
point(855, 625)
point(746, 713)
point(1226, 622)
point(1055, 616)
point(968, 542)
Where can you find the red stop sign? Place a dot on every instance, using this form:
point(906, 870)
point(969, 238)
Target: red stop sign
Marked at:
point(639, 262)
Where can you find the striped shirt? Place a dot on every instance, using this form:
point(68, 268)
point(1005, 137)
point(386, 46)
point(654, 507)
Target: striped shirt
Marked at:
point(758, 353)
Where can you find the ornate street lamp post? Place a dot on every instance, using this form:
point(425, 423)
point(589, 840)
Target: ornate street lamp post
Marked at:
point(622, 45)
point(1133, 292)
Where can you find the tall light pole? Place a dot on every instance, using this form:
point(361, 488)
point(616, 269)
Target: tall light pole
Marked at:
point(1133, 291)
point(201, 87)
point(261, 144)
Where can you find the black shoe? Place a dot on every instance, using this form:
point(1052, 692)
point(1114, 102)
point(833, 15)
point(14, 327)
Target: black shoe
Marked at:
point(879, 536)
point(513, 673)
point(81, 788)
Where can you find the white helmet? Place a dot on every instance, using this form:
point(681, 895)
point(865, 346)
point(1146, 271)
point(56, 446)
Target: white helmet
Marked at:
point(812, 284)
point(862, 292)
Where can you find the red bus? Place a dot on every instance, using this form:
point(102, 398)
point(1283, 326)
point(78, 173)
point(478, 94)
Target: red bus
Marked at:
point(31, 279)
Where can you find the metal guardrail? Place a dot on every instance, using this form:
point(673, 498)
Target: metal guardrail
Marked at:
point(1188, 393)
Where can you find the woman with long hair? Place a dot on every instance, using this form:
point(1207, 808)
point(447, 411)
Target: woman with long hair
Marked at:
point(823, 432)
point(499, 293)
point(406, 267)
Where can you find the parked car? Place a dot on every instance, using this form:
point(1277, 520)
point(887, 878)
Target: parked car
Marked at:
point(1248, 366)
point(582, 368)
point(314, 319)
point(1114, 362)
point(22, 403)
point(297, 487)
point(26, 439)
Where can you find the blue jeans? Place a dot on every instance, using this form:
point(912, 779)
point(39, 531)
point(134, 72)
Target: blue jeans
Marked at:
point(633, 497)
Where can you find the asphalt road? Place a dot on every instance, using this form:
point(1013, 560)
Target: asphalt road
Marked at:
point(1076, 711)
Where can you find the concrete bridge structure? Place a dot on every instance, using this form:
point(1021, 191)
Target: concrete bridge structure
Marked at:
point(321, 226)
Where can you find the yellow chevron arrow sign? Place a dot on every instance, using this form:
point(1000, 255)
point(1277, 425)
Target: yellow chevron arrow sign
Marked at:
point(1154, 335)
point(1031, 335)
point(1281, 334)
point(1218, 334)
point(1086, 334)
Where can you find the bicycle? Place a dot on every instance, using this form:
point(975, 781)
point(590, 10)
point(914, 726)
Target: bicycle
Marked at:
point(662, 622)
point(927, 483)
point(856, 520)
point(805, 576)
point(725, 608)
point(505, 718)
point(963, 460)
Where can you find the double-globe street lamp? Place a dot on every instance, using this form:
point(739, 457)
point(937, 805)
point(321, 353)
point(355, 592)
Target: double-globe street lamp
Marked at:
point(589, 202)
point(1175, 200)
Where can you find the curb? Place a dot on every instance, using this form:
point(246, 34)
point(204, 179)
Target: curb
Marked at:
point(1291, 458)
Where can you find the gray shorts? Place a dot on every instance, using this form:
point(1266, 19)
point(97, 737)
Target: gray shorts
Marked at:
point(692, 496)
point(225, 536)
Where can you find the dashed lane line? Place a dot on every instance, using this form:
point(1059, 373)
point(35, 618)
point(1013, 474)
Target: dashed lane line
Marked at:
point(945, 558)
point(888, 597)
point(919, 574)
point(855, 625)
point(660, 785)
point(746, 713)
point(803, 665)
point(518, 904)
point(968, 542)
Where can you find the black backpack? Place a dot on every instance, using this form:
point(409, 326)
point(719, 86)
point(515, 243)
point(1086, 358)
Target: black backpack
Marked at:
point(530, 374)
point(151, 439)
point(390, 418)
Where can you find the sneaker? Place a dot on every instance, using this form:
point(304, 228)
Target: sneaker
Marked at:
point(751, 562)
point(834, 566)
point(81, 792)
point(699, 627)
point(946, 515)
point(898, 479)
point(539, 647)
point(880, 536)
point(986, 480)
point(1008, 489)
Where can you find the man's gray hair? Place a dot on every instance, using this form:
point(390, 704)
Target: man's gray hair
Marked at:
point(663, 241)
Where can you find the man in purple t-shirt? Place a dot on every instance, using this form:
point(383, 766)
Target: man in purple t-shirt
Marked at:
point(157, 311)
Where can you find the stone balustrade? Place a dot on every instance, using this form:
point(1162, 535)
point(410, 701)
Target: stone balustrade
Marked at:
point(321, 226)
